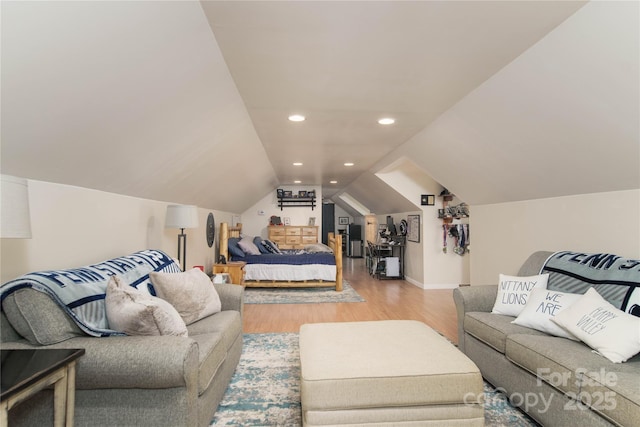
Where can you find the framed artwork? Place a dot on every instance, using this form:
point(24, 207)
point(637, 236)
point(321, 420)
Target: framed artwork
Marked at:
point(288, 194)
point(311, 193)
point(302, 193)
point(343, 220)
point(287, 220)
point(312, 221)
point(413, 228)
point(428, 199)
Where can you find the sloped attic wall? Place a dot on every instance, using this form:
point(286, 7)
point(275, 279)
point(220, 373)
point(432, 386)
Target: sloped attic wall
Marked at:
point(558, 129)
point(562, 119)
point(377, 196)
point(132, 98)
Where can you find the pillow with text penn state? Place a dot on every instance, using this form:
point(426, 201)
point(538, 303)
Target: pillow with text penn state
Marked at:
point(542, 306)
point(513, 293)
point(608, 330)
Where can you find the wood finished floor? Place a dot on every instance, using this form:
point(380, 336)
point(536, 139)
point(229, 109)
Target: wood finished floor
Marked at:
point(385, 300)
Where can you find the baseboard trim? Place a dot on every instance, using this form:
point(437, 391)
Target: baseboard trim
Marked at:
point(431, 286)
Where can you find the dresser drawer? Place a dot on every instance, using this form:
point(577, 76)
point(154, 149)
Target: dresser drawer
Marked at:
point(293, 240)
point(278, 240)
point(276, 231)
point(309, 231)
point(307, 240)
point(293, 231)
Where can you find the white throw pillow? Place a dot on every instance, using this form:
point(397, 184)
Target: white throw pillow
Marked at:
point(513, 293)
point(608, 330)
point(541, 307)
point(248, 247)
point(136, 313)
point(191, 293)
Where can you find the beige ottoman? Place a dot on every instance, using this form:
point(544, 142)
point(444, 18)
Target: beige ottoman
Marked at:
point(386, 373)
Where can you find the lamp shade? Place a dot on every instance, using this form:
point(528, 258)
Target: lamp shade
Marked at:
point(181, 216)
point(15, 216)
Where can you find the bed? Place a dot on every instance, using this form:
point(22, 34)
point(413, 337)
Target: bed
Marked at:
point(287, 271)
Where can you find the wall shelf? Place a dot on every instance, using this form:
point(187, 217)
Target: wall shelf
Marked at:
point(284, 202)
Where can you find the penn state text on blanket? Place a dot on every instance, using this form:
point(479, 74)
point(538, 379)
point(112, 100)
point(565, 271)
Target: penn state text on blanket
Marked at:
point(616, 278)
point(80, 292)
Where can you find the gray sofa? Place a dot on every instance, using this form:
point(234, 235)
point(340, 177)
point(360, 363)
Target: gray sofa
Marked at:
point(134, 380)
point(540, 373)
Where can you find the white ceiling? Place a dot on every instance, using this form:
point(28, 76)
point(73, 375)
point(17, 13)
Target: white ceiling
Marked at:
point(344, 65)
point(187, 101)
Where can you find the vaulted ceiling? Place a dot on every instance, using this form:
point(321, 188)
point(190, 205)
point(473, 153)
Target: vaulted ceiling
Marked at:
point(188, 101)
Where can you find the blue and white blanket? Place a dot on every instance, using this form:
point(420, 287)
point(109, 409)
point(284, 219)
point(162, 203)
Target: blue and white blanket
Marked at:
point(616, 278)
point(81, 291)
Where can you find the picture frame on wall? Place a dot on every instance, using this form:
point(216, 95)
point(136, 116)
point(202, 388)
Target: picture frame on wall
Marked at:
point(287, 220)
point(312, 221)
point(302, 193)
point(343, 220)
point(413, 228)
point(288, 194)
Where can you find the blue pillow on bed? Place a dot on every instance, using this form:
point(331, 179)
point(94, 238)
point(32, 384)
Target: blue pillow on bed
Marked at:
point(234, 249)
point(258, 242)
point(271, 247)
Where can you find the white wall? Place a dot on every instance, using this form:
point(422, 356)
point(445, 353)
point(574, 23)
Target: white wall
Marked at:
point(255, 220)
point(74, 226)
point(503, 235)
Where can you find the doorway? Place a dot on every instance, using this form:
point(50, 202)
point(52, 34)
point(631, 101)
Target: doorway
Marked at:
point(328, 221)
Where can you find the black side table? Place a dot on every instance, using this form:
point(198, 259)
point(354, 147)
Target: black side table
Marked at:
point(26, 372)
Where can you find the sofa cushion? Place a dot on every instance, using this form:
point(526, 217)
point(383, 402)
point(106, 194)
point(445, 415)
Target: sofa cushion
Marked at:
point(191, 293)
point(135, 313)
point(611, 389)
point(493, 329)
point(38, 318)
point(227, 323)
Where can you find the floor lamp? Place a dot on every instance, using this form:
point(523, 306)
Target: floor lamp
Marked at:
point(182, 216)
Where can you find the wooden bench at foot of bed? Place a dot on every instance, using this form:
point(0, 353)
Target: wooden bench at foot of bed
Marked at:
point(335, 243)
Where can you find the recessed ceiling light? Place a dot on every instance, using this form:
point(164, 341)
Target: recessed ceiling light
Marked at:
point(297, 163)
point(386, 121)
point(296, 118)
point(333, 182)
point(348, 164)
point(297, 181)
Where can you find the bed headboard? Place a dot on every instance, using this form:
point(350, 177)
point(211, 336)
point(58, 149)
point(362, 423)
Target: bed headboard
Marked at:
point(227, 231)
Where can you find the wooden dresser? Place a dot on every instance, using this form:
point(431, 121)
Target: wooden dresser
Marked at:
point(293, 236)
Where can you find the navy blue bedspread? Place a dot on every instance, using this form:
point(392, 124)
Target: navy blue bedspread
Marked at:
point(290, 259)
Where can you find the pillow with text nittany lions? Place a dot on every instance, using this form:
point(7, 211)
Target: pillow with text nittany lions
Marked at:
point(513, 293)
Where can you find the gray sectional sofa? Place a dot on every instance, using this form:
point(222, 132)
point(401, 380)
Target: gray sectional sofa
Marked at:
point(543, 374)
point(130, 380)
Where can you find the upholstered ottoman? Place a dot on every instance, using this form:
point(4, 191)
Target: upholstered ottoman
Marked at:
point(386, 373)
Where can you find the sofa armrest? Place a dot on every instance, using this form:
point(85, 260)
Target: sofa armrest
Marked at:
point(146, 362)
point(231, 296)
point(472, 298)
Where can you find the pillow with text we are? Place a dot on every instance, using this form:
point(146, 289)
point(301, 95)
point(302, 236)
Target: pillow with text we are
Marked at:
point(513, 293)
point(543, 305)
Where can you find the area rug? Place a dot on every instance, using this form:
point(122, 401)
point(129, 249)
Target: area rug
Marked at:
point(301, 295)
point(265, 389)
